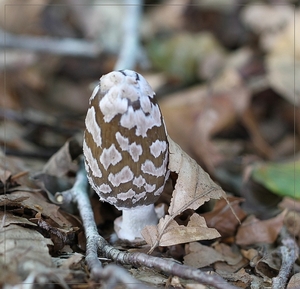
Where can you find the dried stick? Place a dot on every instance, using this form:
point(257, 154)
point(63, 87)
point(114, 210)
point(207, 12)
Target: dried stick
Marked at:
point(289, 254)
point(111, 274)
point(66, 46)
point(95, 243)
point(130, 50)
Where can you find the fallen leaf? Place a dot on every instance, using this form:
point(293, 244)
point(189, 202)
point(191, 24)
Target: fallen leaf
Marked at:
point(292, 223)
point(253, 231)
point(149, 276)
point(73, 261)
point(279, 178)
point(241, 278)
point(8, 218)
point(290, 204)
point(294, 282)
point(62, 161)
point(283, 61)
point(199, 256)
point(173, 234)
point(221, 217)
point(24, 249)
point(252, 255)
point(231, 254)
point(269, 265)
point(193, 188)
point(50, 219)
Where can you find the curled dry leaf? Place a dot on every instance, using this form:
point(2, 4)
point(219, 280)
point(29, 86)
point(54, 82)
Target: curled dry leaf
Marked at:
point(193, 188)
point(62, 161)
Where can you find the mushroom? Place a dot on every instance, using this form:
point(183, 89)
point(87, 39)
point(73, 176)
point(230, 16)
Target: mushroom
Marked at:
point(126, 149)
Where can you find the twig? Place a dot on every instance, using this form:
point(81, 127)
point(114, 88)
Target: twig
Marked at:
point(96, 242)
point(130, 50)
point(289, 254)
point(65, 46)
point(111, 273)
point(81, 198)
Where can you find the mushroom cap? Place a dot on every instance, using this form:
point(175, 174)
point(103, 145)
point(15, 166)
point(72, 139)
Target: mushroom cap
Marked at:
point(125, 143)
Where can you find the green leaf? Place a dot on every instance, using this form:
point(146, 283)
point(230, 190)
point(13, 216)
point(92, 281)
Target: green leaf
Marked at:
point(280, 178)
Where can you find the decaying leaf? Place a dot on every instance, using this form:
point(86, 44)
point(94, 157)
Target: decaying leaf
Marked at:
point(48, 217)
point(173, 233)
point(193, 188)
point(8, 218)
point(62, 161)
point(221, 217)
point(24, 250)
point(199, 256)
point(294, 282)
point(254, 231)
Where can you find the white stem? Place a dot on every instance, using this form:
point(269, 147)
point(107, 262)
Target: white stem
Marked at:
point(134, 220)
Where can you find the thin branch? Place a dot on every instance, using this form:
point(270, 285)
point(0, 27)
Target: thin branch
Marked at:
point(95, 243)
point(289, 254)
point(111, 274)
point(64, 46)
point(81, 198)
point(130, 50)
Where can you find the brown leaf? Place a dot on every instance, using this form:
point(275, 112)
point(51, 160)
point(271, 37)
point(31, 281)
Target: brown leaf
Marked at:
point(195, 230)
point(253, 231)
point(230, 254)
point(292, 223)
point(8, 218)
point(24, 249)
point(193, 188)
point(222, 218)
point(62, 161)
point(269, 265)
point(241, 278)
point(199, 256)
point(294, 282)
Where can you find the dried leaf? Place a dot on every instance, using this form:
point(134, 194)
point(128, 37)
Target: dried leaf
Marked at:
point(221, 216)
point(199, 256)
point(193, 188)
point(269, 265)
point(24, 249)
point(62, 161)
point(48, 217)
point(241, 278)
point(294, 282)
point(8, 218)
point(253, 231)
point(173, 234)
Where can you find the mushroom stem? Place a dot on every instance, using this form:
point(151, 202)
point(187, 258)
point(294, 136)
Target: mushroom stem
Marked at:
point(130, 225)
